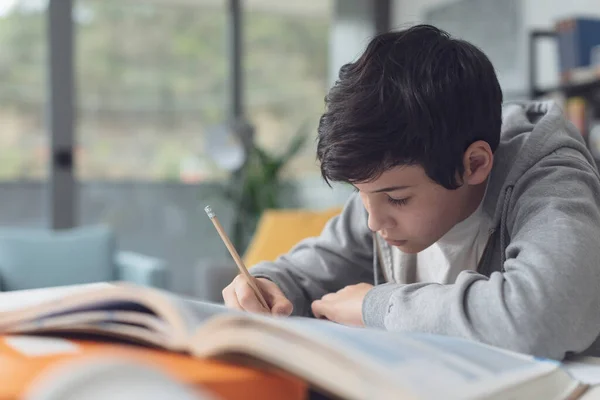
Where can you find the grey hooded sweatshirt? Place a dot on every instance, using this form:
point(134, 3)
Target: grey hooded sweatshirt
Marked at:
point(537, 286)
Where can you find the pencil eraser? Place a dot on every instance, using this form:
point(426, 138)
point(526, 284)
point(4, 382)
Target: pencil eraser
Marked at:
point(209, 212)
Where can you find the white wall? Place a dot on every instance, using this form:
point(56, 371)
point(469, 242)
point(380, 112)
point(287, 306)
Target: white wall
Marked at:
point(410, 12)
point(351, 31)
point(536, 14)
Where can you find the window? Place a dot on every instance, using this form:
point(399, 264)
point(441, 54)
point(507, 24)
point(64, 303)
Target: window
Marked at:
point(286, 58)
point(23, 140)
point(151, 78)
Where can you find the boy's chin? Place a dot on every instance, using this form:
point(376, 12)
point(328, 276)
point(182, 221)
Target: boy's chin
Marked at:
point(411, 247)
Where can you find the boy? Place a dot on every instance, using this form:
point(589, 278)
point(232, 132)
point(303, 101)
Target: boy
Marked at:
point(470, 220)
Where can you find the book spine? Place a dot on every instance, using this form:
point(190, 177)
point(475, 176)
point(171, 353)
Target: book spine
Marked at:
point(588, 37)
point(576, 39)
point(594, 139)
point(595, 57)
point(576, 110)
point(565, 33)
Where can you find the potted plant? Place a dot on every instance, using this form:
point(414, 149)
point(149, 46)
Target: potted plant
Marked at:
point(256, 186)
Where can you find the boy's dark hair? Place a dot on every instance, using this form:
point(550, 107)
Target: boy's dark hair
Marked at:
point(414, 97)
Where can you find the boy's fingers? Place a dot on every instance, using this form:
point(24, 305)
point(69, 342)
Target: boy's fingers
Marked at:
point(280, 305)
point(246, 297)
point(230, 298)
point(317, 308)
point(328, 296)
point(239, 295)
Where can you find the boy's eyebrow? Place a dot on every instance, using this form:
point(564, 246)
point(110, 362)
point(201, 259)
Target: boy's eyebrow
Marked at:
point(390, 189)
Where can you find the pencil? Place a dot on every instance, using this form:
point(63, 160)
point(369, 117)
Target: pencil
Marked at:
point(236, 257)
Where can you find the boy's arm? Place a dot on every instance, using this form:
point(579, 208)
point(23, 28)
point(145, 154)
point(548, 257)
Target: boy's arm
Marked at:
point(340, 256)
point(547, 302)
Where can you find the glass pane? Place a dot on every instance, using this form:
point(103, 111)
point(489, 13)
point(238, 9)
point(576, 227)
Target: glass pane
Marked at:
point(152, 78)
point(286, 47)
point(23, 139)
point(23, 142)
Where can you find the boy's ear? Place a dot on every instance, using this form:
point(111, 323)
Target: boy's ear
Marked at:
point(477, 160)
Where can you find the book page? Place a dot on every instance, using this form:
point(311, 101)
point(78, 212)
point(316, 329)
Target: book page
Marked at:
point(584, 369)
point(100, 318)
point(467, 358)
point(15, 300)
point(195, 313)
point(77, 308)
point(109, 307)
point(459, 366)
point(35, 346)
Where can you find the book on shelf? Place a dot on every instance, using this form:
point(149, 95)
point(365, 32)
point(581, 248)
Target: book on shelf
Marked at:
point(577, 38)
point(352, 363)
point(577, 111)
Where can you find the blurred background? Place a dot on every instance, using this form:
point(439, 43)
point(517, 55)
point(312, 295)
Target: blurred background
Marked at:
point(136, 114)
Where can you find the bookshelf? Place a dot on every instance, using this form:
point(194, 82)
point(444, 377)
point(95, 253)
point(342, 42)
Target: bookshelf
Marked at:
point(587, 88)
point(580, 92)
point(583, 83)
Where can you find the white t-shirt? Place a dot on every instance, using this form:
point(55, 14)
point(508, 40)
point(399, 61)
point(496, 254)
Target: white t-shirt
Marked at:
point(458, 250)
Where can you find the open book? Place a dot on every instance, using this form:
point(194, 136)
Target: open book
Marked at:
point(353, 363)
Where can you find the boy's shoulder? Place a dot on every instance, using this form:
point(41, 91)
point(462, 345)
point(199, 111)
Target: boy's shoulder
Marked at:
point(531, 133)
point(534, 130)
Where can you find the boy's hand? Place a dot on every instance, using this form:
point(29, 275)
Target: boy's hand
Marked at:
point(344, 306)
point(238, 294)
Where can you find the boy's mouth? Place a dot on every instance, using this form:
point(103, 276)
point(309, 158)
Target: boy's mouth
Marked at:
point(395, 242)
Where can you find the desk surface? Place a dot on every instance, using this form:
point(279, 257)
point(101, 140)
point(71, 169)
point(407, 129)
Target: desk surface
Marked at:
point(21, 365)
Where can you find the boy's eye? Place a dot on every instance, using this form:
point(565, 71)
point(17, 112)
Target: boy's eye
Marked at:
point(398, 202)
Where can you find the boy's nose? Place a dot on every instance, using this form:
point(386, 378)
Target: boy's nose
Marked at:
point(378, 220)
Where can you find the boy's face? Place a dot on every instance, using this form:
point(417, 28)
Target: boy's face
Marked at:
point(409, 210)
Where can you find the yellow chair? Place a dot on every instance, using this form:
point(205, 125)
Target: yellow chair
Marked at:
point(279, 230)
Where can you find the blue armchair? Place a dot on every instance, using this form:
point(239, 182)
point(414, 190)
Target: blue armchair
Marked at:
point(35, 258)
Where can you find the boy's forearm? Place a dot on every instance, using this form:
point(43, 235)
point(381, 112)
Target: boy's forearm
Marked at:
point(489, 311)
